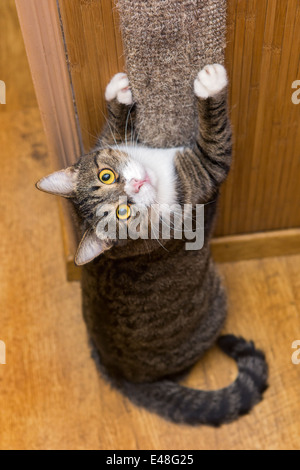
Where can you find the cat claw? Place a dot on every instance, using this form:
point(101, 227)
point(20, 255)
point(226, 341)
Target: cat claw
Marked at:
point(210, 81)
point(118, 88)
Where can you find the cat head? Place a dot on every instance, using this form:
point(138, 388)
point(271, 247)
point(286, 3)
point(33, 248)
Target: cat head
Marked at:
point(111, 189)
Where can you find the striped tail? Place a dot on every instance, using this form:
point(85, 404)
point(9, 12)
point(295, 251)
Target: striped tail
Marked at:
point(185, 405)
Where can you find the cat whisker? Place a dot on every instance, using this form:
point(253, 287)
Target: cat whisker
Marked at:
point(126, 125)
point(112, 131)
point(177, 213)
point(160, 243)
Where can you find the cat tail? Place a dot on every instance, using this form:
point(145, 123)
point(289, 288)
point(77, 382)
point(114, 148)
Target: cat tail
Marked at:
point(181, 404)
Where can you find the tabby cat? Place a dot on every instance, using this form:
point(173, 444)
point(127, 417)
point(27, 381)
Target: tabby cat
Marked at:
point(152, 308)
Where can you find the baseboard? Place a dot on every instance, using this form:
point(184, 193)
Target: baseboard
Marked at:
point(256, 245)
point(224, 249)
point(70, 239)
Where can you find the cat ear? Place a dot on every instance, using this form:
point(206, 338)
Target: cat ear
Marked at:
point(90, 247)
point(62, 182)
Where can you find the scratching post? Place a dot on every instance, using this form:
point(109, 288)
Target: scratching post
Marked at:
point(166, 42)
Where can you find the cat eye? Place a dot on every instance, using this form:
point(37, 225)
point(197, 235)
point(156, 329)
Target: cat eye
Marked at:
point(107, 176)
point(123, 212)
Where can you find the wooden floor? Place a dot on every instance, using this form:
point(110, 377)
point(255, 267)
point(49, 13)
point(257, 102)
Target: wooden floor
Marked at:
point(51, 396)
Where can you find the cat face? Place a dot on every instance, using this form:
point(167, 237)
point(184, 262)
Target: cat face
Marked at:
point(110, 176)
point(113, 189)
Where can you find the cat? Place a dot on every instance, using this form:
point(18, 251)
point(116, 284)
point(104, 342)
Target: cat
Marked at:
point(152, 308)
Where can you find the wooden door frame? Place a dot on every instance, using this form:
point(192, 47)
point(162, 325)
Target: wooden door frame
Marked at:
point(43, 38)
point(40, 24)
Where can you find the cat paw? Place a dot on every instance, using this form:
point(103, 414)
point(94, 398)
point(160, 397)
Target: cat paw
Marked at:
point(118, 88)
point(210, 81)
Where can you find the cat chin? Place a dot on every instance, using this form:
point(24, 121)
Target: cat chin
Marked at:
point(145, 197)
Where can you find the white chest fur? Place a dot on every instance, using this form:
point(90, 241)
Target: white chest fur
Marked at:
point(160, 162)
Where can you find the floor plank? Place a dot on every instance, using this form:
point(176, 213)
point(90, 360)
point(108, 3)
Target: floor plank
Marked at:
point(50, 385)
point(14, 70)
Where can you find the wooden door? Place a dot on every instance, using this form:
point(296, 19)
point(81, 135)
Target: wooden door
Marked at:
point(262, 192)
point(262, 57)
point(263, 61)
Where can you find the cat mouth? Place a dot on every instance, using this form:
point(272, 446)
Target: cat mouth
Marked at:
point(138, 184)
point(142, 190)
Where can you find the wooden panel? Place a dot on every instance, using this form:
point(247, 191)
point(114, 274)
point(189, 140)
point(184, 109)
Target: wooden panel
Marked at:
point(95, 54)
point(263, 61)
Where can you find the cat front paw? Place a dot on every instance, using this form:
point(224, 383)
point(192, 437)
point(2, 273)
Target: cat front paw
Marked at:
point(210, 81)
point(118, 88)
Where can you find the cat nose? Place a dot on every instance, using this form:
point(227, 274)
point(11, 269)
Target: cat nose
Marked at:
point(137, 184)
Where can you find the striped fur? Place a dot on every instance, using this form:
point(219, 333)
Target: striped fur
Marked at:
point(153, 309)
point(169, 306)
point(185, 405)
point(203, 168)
